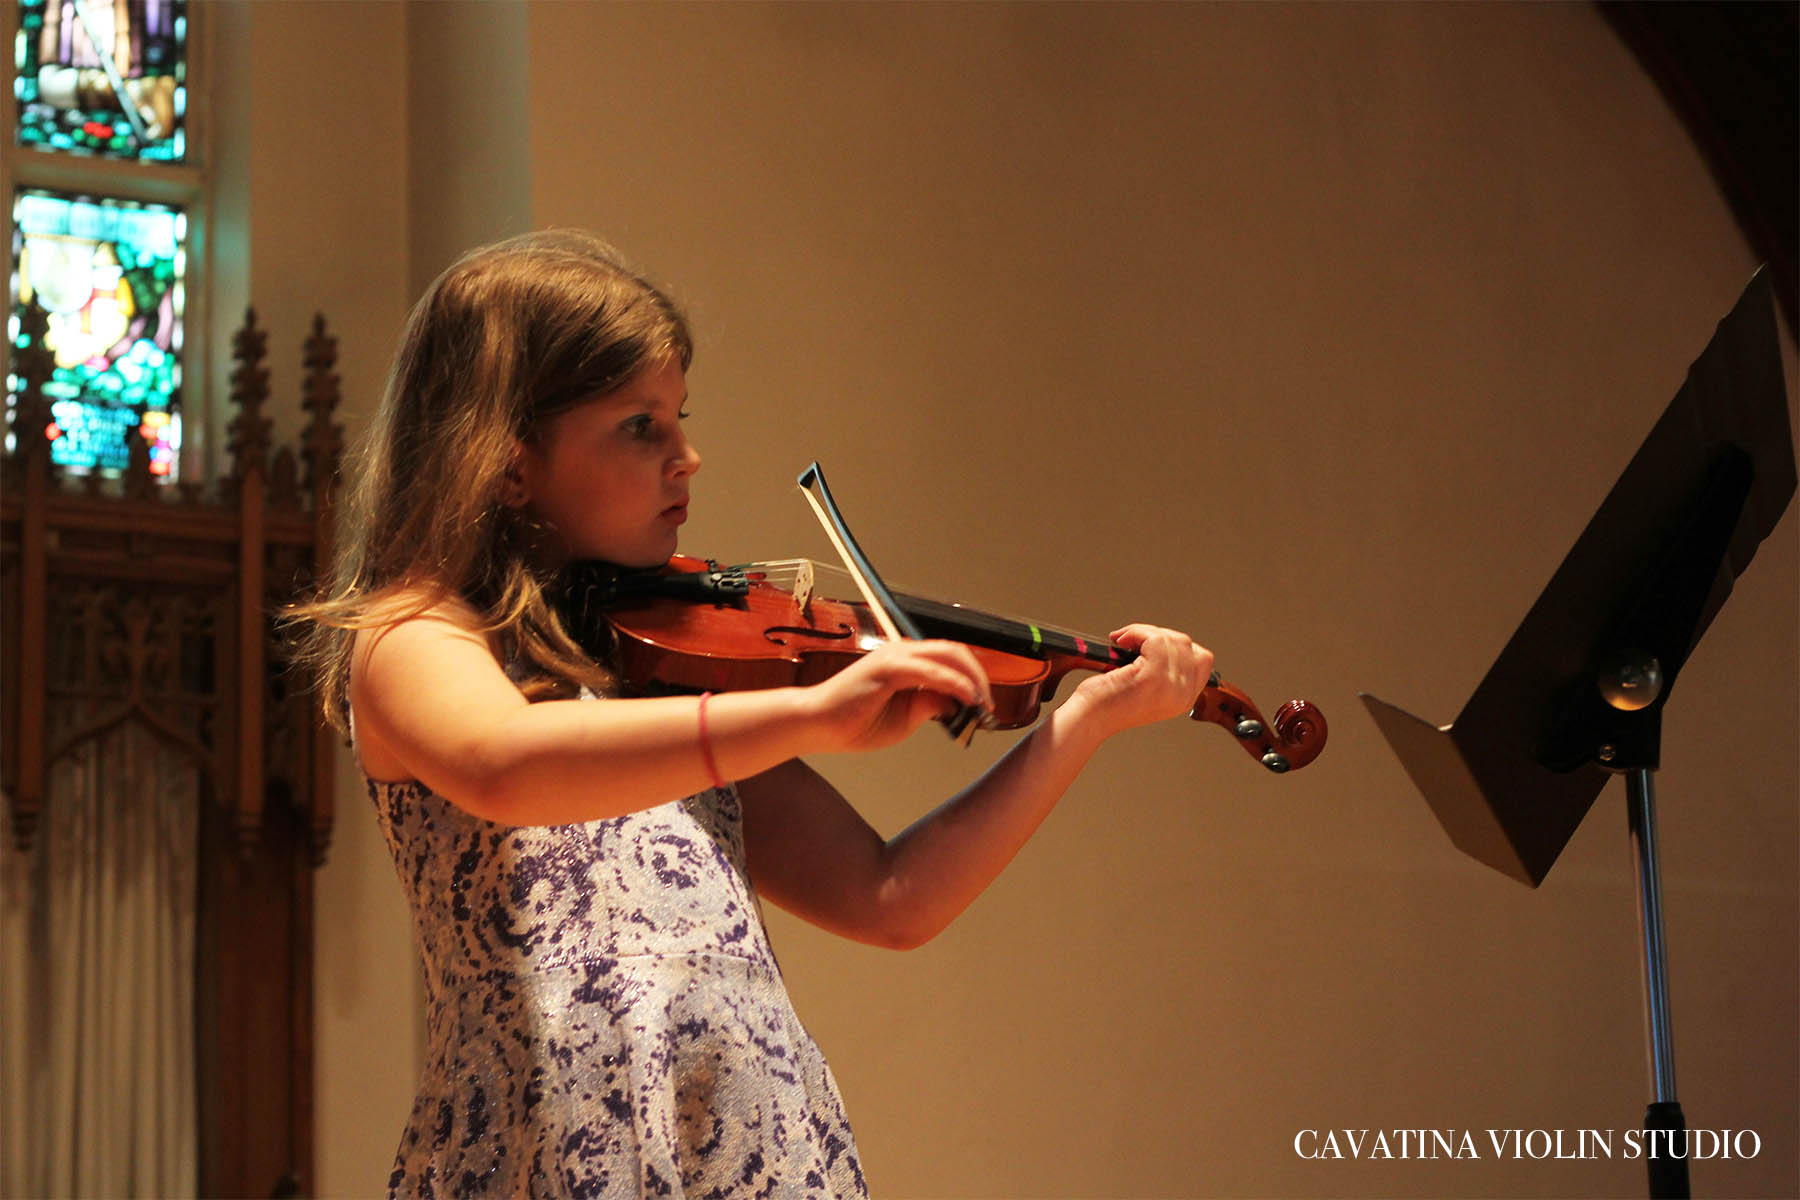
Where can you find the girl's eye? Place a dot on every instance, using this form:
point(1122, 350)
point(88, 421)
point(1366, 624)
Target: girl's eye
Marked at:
point(643, 426)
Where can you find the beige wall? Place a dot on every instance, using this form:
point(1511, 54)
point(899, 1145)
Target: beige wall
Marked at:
point(1317, 331)
point(313, 216)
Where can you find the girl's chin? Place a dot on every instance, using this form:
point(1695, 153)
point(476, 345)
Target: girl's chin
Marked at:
point(639, 558)
point(643, 557)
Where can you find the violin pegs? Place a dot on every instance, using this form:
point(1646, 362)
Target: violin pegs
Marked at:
point(1292, 740)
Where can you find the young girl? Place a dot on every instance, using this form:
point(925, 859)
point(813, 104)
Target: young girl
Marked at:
point(605, 1014)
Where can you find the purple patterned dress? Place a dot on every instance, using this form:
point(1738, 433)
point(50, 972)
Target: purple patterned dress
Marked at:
point(606, 1017)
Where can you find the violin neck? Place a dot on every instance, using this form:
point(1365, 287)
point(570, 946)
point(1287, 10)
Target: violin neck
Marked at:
point(940, 620)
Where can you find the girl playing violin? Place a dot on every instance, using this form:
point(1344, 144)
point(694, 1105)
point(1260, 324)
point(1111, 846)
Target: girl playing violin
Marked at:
point(605, 1014)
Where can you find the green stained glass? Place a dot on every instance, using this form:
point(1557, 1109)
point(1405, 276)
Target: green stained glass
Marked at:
point(72, 60)
point(109, 273)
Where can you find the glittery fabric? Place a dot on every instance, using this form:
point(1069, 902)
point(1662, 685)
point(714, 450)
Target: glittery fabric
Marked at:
point(606, 1017)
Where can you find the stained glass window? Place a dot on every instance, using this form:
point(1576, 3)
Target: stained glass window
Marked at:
point(110, 275)
point(73, 60)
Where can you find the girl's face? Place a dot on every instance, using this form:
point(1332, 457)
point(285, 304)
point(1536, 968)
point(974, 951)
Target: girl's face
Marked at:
point(609, 477)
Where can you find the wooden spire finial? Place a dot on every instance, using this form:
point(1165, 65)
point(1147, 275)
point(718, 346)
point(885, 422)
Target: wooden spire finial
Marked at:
point(249, 444)
point(35, 363)
point(323, 441)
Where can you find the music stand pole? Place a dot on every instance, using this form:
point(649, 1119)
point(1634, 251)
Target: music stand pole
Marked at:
point(1668, 1173)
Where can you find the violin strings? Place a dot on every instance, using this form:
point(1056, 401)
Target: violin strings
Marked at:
point(997, 632)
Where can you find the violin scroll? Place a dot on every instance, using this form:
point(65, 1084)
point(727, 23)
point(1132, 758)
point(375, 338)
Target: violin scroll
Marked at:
point(1294, 738)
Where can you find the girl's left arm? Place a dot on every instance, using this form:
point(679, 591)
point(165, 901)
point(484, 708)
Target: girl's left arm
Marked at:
point(811, 853)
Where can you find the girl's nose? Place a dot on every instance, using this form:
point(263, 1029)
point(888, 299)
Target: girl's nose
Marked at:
point(688, 461)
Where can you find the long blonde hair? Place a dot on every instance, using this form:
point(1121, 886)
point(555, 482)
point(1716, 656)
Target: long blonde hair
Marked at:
point(508, 335)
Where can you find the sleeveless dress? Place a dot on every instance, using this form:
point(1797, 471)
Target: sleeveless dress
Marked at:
point(606, 1017)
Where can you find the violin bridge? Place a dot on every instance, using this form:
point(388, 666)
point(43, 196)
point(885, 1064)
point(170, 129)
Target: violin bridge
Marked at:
point(803, 586)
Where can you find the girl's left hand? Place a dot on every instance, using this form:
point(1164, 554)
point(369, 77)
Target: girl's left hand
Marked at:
point(1163, 681)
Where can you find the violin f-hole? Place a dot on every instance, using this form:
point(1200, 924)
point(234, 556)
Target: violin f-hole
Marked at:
point(839, 634)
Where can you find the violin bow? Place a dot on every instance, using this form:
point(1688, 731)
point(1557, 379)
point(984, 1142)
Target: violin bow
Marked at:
point(1291, 741)
point(893, 619)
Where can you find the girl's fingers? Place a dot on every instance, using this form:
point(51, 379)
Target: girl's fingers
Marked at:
point(951, 684)
point(1170, 649)
point(946, 668)
point(1130, 637)
point(897, 687)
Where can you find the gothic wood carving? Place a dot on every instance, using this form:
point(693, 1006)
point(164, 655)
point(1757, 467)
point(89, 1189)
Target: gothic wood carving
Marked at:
point(129, 601)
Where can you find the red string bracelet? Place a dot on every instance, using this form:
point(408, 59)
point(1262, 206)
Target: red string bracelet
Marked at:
point(706, 753)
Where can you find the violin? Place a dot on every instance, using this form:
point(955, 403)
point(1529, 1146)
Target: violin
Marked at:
point(696, 626)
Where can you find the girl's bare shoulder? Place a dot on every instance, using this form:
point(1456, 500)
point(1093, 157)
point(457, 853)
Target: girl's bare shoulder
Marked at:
point(414, 614)
point(423, 666)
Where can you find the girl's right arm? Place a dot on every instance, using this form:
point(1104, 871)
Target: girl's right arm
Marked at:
point(432, 703)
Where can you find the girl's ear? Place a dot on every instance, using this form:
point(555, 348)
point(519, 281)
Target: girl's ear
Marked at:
point(513, 492)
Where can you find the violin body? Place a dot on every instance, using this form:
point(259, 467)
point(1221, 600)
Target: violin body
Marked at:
point(693, 627)
point(767, 637)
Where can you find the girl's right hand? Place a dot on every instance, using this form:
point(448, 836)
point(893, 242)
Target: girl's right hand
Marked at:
point(892, 690)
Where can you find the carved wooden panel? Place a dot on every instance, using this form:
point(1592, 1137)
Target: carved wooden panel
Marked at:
point(124, 601)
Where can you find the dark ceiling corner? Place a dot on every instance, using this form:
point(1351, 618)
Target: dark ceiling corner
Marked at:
point(1728, 71)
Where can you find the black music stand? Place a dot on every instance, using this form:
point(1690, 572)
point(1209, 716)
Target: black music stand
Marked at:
point(1577, 694)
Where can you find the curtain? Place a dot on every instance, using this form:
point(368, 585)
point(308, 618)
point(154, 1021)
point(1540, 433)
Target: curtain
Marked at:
point(97, 944)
